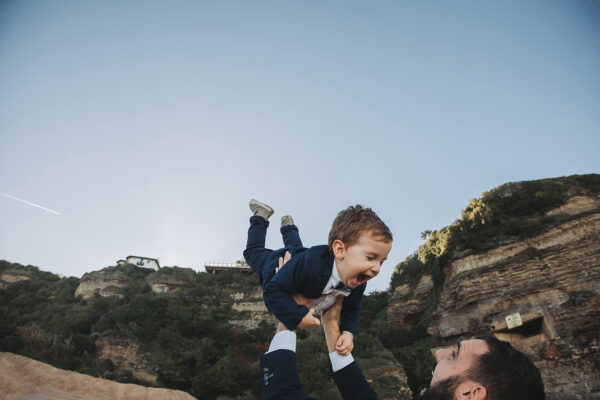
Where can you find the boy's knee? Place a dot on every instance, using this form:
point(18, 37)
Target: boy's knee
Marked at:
point(248, 254)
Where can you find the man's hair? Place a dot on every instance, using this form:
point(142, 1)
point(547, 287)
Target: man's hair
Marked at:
point(506, 373)
point(355, 220)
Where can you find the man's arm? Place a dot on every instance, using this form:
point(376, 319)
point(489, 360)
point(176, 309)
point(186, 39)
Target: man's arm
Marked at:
point(346, 373)
point(279, 370)
point(278, 367)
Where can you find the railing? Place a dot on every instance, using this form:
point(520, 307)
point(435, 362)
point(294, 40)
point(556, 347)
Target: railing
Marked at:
point(215, 266)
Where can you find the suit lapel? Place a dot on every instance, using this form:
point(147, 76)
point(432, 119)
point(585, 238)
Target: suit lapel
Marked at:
point(322, 279)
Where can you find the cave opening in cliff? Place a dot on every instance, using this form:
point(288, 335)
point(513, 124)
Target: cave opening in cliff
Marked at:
point(529, 328)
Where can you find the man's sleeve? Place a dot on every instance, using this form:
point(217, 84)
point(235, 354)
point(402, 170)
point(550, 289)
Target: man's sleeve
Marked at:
point(279, 377)
point(278, 293)
point(352, 384)
point(351, 310)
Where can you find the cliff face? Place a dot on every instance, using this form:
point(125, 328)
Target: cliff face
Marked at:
point(103, 286)
point(113, 281)
point(251, 310)
point(7, 278)
point(127, 356)
point(24, 378)
point(166, 287)
point(548, 286)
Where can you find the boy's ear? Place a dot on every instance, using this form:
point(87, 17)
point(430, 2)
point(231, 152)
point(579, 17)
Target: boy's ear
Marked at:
point(339, 249)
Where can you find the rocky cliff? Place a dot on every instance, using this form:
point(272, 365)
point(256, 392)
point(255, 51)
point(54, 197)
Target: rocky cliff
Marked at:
point(251, 310)
point(542, 294)
point(112, 281)
point(126, 355)
point(103, 286)
point(6, 278)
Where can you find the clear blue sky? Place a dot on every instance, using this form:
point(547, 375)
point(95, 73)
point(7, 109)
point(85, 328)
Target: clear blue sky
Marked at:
point(149, 125)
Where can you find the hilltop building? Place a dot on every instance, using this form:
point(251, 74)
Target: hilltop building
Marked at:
point(143, 262)
point(240, 266)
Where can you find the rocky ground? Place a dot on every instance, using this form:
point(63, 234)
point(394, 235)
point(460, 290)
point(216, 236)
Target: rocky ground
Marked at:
point(25, 379)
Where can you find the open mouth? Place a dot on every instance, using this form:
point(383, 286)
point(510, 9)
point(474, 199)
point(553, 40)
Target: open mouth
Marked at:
point(362, 278)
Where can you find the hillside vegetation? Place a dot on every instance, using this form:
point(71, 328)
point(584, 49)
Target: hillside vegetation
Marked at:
point(186, 334)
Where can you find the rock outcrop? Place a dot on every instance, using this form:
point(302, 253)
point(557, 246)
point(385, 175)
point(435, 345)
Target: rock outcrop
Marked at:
point(166, 287)
point(11, 277)
point(24, 378)
point(127, 356)
point(251, 310)
point(7, 278)
point(541, 294)
point(103, 286)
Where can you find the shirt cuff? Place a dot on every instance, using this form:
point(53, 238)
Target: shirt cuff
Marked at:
point(284, 340)
point(339, 361)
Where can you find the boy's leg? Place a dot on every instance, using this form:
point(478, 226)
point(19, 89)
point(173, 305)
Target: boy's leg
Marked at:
point(255, 253)
point(289, 231)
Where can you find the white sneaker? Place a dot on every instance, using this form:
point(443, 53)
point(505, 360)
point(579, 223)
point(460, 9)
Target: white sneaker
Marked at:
point(261, 209)
point(287, 220)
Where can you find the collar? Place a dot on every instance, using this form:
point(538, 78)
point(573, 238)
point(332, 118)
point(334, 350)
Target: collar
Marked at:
point(335, 276)
point(335, 279)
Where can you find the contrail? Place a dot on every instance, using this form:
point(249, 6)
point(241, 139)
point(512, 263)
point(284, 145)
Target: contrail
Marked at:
point(31, 204)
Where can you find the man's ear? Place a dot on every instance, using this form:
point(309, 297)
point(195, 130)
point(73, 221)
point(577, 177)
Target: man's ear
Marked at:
point(470, 390)
point(339, 249)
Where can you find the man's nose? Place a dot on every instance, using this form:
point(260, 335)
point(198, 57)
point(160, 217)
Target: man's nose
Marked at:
point(442, 353)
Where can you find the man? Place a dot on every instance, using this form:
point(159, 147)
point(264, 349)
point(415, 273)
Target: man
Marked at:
point(478, 369)
point(484, 369)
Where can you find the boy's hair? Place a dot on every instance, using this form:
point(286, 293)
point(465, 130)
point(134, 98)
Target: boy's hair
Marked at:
point(355, 220)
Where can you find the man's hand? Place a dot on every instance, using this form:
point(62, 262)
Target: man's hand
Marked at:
point(283, 261)
point(345, 343)
point(309, 320)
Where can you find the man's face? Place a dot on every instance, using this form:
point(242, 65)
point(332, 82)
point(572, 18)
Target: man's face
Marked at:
point(362, 261)
point(455, 361)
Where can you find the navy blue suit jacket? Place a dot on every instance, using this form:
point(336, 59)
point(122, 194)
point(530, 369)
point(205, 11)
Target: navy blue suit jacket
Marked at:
point(307, 273)
point(280, 379)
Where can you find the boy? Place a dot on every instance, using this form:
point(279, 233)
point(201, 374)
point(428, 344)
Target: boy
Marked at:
point(359, 242)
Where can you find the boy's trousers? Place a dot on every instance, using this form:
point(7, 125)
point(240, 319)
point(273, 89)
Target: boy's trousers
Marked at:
point(256, 254)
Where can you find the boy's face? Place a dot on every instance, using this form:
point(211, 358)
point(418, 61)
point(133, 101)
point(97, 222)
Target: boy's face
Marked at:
point(362, 261)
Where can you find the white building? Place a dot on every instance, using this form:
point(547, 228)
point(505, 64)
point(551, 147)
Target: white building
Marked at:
point(143, 262)
point(213, 267)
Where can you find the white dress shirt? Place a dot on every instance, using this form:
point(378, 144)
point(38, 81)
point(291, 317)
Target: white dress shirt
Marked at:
point(329, 294)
